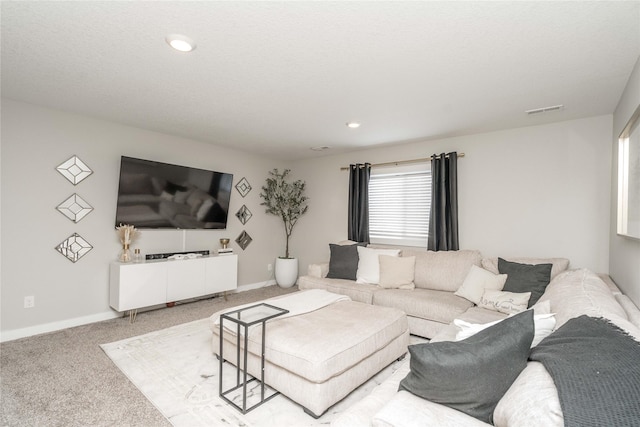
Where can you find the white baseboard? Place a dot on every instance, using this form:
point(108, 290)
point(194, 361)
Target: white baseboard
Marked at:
point(253, 286)
point(56, 326)
point(99, 317)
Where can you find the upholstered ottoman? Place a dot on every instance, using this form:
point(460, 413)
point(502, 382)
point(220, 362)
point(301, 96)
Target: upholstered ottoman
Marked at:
point(318, 354)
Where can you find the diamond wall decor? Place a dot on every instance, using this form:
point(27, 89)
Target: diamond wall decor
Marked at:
point(243, 187)
point(244, 214)
point(74, 169)
point(74, 247)
point(243, 240)
point(74, 208)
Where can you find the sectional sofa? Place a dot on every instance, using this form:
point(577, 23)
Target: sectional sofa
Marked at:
point(431, 304)
point(435, 311)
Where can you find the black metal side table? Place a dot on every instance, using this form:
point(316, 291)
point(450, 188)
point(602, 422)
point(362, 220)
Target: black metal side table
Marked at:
point(244, 318)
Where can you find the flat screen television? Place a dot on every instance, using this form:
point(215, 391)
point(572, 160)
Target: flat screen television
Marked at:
point(161, 195)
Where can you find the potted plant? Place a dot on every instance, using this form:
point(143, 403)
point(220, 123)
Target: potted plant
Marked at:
point(286, 200)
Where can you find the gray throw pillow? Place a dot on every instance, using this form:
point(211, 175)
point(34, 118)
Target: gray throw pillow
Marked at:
point(521, 278)
point(472, 375)
point(343, 263)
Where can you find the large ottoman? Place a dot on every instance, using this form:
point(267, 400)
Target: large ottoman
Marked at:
point(318, 357)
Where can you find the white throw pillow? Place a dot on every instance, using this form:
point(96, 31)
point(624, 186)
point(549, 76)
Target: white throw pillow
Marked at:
point(369, 265)
point(477, 281)
point(505, 302)
point(397, 271)
point(542, 307)
point(543, 323)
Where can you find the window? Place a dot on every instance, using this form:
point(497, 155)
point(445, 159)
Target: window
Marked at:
point(399, 205)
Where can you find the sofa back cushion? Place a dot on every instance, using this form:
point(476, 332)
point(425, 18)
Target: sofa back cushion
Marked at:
point(558, 265)
point(442, 270)
point(577, 292)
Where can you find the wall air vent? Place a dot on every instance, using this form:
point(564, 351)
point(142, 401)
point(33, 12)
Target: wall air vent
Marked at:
point(545, 109)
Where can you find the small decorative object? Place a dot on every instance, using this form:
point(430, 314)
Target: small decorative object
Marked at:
point(244, 214)
point(74, 169)
point(287, 201)
point(126, 233)
point(243, 240)
point(137, 256)
point(243, 187)
point(74, 208)
point(74, 247)
point(224, 242)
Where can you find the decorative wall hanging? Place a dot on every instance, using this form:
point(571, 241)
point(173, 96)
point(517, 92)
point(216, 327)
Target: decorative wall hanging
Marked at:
point(74, 247)
point(74, 208)
point(244, 240)
point(74, 169)
point(243, 187)
point(244, 214)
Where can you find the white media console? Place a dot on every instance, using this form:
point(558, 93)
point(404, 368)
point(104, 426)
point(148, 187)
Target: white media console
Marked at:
point(138, 285)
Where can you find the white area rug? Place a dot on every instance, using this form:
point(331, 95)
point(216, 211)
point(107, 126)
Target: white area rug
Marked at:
point(177, 371)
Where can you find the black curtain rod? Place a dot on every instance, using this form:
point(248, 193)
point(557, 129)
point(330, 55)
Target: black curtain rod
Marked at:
point(402, 162)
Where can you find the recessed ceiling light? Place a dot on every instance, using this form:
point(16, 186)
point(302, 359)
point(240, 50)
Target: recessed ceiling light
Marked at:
point(180, 42)
point(353, 125)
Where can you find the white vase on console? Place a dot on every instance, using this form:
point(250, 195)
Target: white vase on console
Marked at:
point(286, 272)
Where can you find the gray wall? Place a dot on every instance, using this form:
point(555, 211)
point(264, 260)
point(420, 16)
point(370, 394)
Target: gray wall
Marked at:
point(34, 141)
point(540, 191)
point(535, 191)
point(624, 252)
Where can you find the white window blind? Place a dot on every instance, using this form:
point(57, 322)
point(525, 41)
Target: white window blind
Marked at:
point(399, 204)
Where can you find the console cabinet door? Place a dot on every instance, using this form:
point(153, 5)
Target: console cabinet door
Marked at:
point(185, 279)
point(222, 273)
point(137, 285)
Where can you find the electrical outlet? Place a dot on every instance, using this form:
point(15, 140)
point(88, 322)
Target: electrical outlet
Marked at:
point(269, 267)
point(29, 302)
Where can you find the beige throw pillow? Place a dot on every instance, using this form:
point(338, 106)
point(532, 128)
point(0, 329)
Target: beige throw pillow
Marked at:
point(505, 302)
point(368, 264)
point(397, 272)
point(477, 281)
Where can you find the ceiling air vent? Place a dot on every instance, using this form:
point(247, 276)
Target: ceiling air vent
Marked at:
point(545, 109)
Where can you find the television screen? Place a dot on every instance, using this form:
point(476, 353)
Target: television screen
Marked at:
point(160, 195)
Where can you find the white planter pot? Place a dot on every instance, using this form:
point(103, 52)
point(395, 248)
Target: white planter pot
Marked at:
point(286, 272)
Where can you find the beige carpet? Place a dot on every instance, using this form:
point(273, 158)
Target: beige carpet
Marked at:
point(65, 379)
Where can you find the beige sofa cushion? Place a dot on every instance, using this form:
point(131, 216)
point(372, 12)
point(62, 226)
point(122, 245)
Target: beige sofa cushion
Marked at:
point(360, 292)
point(408, 410)
point(558, 265)
point(442, 270)
point(577, 292)
point(531, 401)
point(438, 306)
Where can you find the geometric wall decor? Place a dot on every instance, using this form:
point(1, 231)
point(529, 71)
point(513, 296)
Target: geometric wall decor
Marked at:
point(244, 214)
point(74, 208)
point(74, 247)
point(244, 240)
point(74, 169)
point(243, 187)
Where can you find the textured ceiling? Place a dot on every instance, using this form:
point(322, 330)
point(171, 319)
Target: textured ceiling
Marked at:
point(277, 78)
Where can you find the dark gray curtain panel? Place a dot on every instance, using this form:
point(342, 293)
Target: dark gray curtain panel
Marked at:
point(443, 221)
point(358, 227)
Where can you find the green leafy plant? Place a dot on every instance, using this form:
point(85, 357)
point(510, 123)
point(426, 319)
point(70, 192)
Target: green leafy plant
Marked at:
point(284, 199)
